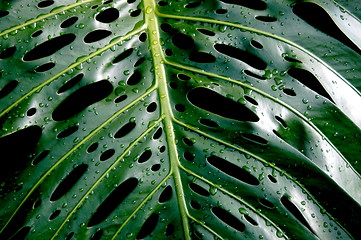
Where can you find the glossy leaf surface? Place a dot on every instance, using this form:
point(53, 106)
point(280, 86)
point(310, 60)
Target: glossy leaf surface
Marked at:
point(217, 119)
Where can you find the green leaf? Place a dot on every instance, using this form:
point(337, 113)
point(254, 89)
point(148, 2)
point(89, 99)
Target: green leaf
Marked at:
point(217, 119)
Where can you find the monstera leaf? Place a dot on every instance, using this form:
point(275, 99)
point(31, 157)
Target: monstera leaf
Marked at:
point(197, 119)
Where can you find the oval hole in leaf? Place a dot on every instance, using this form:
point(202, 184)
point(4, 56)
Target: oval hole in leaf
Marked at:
point(127, 128)
point(241, 55)
point(49, 47)
point(216, 103)
point(8, 88)
point(251, 74)
point(71, 83)
point(202, 57)
point(281, 121)
point(123, 55)
point(140, 61)
point(134, 79)
point(199, 190)
point(295, 212)
point(146, 155)
point(272, 179)
point(232, 170)
point(162, 3)
point(166, 194)
point(307, 78)
point(40, 157)
point(108, 15)
point(135, 13)
point(206, 32)
point(254, 4)
point(37, 203)
point(182, 76)
point(289, 59)
point(256, 44)
point(251, 100)
point(69, 181)
point(289, 92)
point(155, 167)
point(162, 149)
point(250, 220)
point(54, 214)
point(152, 107)
point(317, 17)
point(69, 22)
point(97, 35)
point(166, 27)
point(158, 133)
point(277, 134)
point(113, 201)
point(107, 154)
point(120, 98)
point(37, 33)
point(143, 37)
point(266, 19)
point(229, 219)
point(69, 236)
point(169, 230)
point(180, 107)
point(188, 142)
point(169, 52)
point(21, 234)
point(44, 4)
point(98, 235)
point(221, 11)
point(81, 99)
point(7, 52)
point(193, 4)
point(31, 112)
point(188, 156)
point(182, 41)
point(208, 123)
point(195, 205)
point(148, 226)
point(266, 203)
point(67, 132)
point(45, 67)
point(254, 138)
point(92, 147)
point(3, 13)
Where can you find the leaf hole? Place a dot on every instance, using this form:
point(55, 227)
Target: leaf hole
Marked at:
point(37, 33)
point(256, 44)
point(143, 37)
point(3, 13)
point(98, 235)
point(206, 32)
point(125, 130)
point(254, 138)
point(168, 52)
point(166, 194)
point(115, 198)
point(308, 79)
point(40, 157)
point(195, 205)
point(69, 181)
point(162, 149)
point(251, 100)
point(250, 220)
point(120, 99)
point(44, 4)
point(199, 190)
point(188, 142)
point(182, 41)
point(202, 57)
point(135, 13)
point(54, 214)
point(93, 147)
point(81, 99)
point(123, 55)
point(251, 74)
point(221, 11)
point(134, 79)
point(216, 103)
point(21, 234)
point(289, 92)
point(162, 3)
point(71, 83)
point(7, 52)
point(94, 6)
point(108, 15)
point(69, 236)
point(241, 55)
point(289, 59)
point(189, 156)
point(266, 19)
point(208, 123)
point(281, 121)
point(70, 21)
point(139, 62)
point(67, 132)
point(158, 133)
point(180, 107)
point(145, 156)
point(272, 179)
point(45, 67)
point(182, 76)
point(9, 87)
point(193, 4)
point(277, 134)
point(169, 230)
point(266, 203)
point(37, 203)
point(232, 170)
point(97, 35)
point(254, 4)
point(110, 1)
point(49, 47)
point(155, 167)
point(148, 226)
point(152, 107)
point(173, 85)
point(166, 27)
point(107, 154)
point(229, 219)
